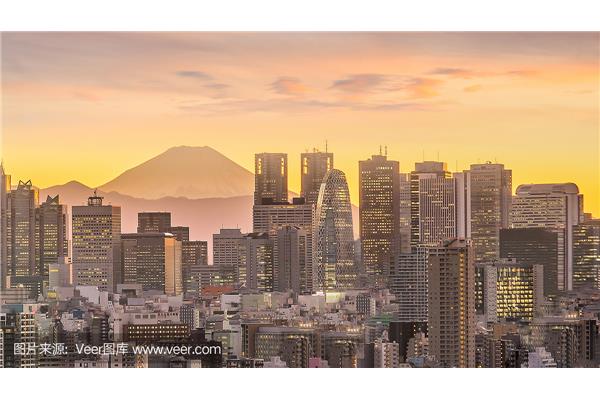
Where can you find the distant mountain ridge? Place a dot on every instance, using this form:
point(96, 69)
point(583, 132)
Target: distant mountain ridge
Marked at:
point(184, 171)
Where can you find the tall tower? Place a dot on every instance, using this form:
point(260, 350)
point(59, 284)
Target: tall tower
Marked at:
point(334, 237)
point(4, 190)
point(432, 204)
point(20, 237)
point(314, 167)
point(489, 197)
point(451, 304)
point(270, 178)
point(555, 206)
point(379, 215)
point(51, 235)
point(96, 244)
point(291, 259)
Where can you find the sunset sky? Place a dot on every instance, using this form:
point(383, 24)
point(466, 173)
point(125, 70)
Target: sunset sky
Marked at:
point(87, 106)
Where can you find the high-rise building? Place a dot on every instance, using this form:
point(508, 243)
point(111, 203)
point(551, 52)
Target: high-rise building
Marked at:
point(259, 262)
point(408, 282)
point(269, 218)
point(379, 216)
point(554, 206)
point(96, 231)
point(586, 255)
point(159, 222)
point(314, 167)
point(291, 258)
point(51, 234)
point(181, 233)
point(4, 191)
point(451, 304)
point(152, 260)
point(512, 290)
point(404, 213)
point(434, 208)
point(488, 203)
point(334, 235)
point(229, 250)
point(21, 204)
point(193, 253)
point(534, 246)
point(60, 273)
point(270, 178)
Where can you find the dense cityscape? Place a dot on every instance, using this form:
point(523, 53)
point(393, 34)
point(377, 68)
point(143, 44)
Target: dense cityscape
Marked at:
point(450, 269)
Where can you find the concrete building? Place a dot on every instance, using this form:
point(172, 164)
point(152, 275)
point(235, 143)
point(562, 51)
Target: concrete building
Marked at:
point(379, 216)
point(20, 234)
point(408, 282)
point(270, 178)
point(153, 260)
point(158, 222)
point(451, 304)
point(96, 230)
point(555, 206)
point(52, 243)
point(586, 255)
point(291, 259)
point(314, 167)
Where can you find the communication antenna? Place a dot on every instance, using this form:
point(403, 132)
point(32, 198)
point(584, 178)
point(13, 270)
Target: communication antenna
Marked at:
point(380, 150)
point(325, 145)
point(386, 151)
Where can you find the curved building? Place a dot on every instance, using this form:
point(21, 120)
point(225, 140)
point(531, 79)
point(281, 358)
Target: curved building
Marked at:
point(334, 237)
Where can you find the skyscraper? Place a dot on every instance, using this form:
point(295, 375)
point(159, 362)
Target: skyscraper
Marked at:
point(51, 234)
point(334, 237)
point(269, 218)
point(181, 233)
point(4, 191)
point(314, 167)
point(291, 259)
point(434, 209)
point(270, 178)
point(451, 304)
point(153, 260)
point(21, 204)
point(534, 246)
point(259, 262)
point(404, 213)
point(159, 222)
point(586, 255)
point(554, 206)
point(229, 250)
point(489, 198)
point(96, 244)
point(379, 215)
point(408, 282)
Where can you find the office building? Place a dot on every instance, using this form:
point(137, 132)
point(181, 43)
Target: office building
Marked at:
point(314, 167)
point(259, 262)
point(586, 255)
point(96, 231)
point(451, 304)
point(554, 206)
point(4, 191)
point(181, 233)
point(291, 259)
point(404, 212)
point(152, 260)
point(20, 236)
point(512, 290)
point(229, 250)
point(489, 198)
point(159, 222)
point(51, 234)
point(379, 216)
point(270, 178)
point(334, 235)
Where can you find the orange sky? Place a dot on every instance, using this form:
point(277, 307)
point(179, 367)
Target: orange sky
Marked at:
point(87, 106)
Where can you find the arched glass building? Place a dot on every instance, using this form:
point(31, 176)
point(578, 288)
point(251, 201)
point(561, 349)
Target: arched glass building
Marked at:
point(334, 238)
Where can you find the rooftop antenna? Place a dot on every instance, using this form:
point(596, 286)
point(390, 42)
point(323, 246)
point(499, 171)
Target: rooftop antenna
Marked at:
point(438, 155)
point(423, 154)
point(325, 145)
point(380, 150)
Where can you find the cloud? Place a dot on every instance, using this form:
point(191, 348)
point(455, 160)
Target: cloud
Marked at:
point(360, 83)
point(472, 88)
point(422, 87)
point(193, 74)
point(455, 72)
point(289, 86)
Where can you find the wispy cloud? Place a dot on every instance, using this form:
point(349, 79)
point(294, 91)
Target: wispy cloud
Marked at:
point(359, 83)
point(193, 74)
point(289, 86)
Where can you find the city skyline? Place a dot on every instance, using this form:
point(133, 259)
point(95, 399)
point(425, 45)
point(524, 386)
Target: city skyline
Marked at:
point(462, 98)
